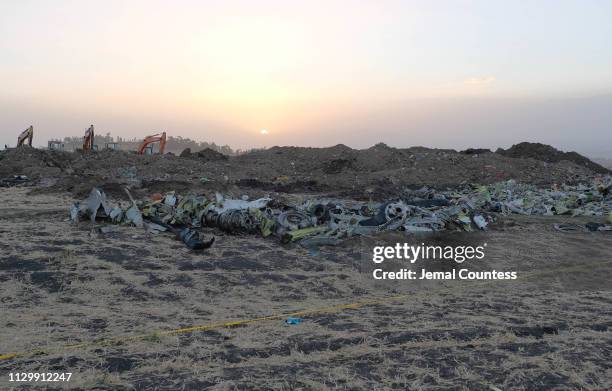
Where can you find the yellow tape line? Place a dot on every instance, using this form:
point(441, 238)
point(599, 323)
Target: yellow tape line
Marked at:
point(212, 326)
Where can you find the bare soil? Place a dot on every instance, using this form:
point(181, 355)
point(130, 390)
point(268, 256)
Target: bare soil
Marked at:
point(63, 284)
point(549, 154)
point(377, 172)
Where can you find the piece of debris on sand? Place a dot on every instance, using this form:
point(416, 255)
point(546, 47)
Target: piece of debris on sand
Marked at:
point(16, 180)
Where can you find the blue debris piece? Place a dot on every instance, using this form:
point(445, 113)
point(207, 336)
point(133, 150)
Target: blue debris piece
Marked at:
point(291, 320)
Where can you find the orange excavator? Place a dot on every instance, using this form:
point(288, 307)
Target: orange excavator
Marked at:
point(26, 135)
point(88, 139)
point(156, 138)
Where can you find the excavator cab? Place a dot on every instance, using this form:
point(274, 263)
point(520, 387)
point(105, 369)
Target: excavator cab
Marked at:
point(88, 140)
point(112, 145)
point(27, 134)
point(55, 145)
point(146, 148)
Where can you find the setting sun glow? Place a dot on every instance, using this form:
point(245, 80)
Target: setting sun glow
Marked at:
point(316, 73)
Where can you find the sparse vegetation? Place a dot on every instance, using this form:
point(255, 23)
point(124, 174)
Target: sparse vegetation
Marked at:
point(549, 329)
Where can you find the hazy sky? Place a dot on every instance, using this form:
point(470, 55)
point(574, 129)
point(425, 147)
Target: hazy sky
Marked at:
point(435, 73)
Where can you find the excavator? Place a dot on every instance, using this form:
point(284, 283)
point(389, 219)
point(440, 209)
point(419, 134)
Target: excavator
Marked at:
point(88, 139)
point(26, 135)
point(146, 143)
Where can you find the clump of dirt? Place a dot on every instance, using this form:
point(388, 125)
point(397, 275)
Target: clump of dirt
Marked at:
point(210, 155)
point(336, 166)
point(205, 155)
point(550, 154)
point(475, 151)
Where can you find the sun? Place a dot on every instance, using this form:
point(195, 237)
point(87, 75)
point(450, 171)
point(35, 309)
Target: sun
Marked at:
point(263, 131)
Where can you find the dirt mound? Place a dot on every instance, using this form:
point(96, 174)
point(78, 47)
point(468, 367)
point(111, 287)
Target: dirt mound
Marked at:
point(336, 166)
point(475, 151)
point(607, 163)
point(378, 172)
point(205, 155)
point(35, 163)
point(210, 155)
point(381, 171)
point(336, 159)
point(548, 154)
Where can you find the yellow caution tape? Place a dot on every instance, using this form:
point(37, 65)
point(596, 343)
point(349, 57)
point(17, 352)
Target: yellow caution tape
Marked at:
point(212, 326)
point(186, 330)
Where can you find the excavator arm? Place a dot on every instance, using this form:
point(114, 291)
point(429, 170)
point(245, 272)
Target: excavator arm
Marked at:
point(26, 135)
point(160, 138)
point(88, 139)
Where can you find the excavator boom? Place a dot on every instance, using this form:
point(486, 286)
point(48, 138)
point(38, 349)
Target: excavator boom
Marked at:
point(160, 138)
point(27, 134)
point(88, 139)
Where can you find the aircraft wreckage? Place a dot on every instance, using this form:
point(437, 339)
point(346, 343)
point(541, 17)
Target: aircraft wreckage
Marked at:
point(322, 221)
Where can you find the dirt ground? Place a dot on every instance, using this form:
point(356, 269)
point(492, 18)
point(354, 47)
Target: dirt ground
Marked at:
point(376, 173)
point(63, 284)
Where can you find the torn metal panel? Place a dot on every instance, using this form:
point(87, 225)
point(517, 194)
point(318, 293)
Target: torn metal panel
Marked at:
point(134, 216)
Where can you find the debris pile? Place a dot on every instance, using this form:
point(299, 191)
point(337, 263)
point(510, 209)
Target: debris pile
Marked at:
point(327, 221)
point(592, 199)
point(96, 207)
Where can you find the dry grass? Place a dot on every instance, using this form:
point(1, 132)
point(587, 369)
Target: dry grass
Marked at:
point(59, 285)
